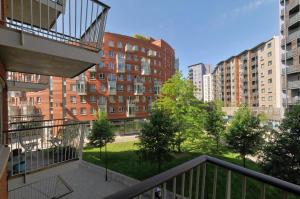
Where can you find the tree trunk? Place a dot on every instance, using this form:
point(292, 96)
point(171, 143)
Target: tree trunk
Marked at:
point(100, 152)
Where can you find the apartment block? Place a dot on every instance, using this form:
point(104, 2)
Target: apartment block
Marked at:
point(290, 48)
point(196, 72)
point(207, 88)
point(253, 78)
point(124, 84)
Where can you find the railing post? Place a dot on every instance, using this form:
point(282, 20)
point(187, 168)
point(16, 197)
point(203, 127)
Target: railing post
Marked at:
point(174, 187)
point(215, 183)
point(191, 184)
point(244, 191)
point(263, 191)
point(182, 185)
point(81, 132)
point(203, 181)
point(197, 182)
point(228, 185)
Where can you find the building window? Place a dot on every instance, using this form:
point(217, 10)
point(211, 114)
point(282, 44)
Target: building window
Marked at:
point(93, 111)
point(128, 66)
point(270, 98)
point(269, 54)
point(92, 87)
point(111, 65)
point(269, 72)
point(269, 63)
point(120, 109)
point(111, 77)
point(102, 88)
point(93, 99)
point(38, 100)
point(121, 77)
point(111, 109)
point(269, 45)
point(136, 67)
point(120, 45)
point(120, 99)
point(73, 111)
point(73, 99)
point(111, 43)
point(120, 88)
point(128, 77)
point(128, 57)
point(111, 99)
point(82, 111)
point(270, 81)
point(143, 49)
point(263, 90)
point(263, 98)
point(111, 53)
point(73, 87)
point(101, 76)
point(82, 99)
point(101, 64)
point(101, 53)
point(92, 75)
point(129, 88)
point(102, 100)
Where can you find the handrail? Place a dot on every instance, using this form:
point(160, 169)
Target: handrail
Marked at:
point(159, 179)
point(33, 121)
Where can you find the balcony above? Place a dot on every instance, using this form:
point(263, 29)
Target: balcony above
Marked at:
point(26, 82)
point(63, 37)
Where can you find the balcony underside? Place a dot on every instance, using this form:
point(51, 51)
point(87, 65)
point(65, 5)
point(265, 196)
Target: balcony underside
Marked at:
point(25, 86)
point(23, 52)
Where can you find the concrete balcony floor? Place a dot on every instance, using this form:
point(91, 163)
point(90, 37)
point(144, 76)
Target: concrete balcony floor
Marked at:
point(87, 180)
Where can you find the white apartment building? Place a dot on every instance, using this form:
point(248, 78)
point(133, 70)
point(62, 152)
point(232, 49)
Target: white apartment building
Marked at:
point(196, 73)
point(208, 88)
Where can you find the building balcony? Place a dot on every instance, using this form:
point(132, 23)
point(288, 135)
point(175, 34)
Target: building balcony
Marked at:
point(294, 4)
point(81, 87)
point(111, 87)
point(294, 19)
point(63, 37)
point(293, 36)
point(130, 112)
point(200, 177)
point(26, 82)
point(287, 55)
point(120, 61)
point(292, 69)
point(294, 84)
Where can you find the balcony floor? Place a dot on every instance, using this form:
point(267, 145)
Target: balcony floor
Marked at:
point(87, 180)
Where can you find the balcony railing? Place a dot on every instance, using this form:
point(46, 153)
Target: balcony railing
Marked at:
point(24, 118)
point(294, 19)
point(190, 180)
point(294, 84)
point(77, 22)
point(43, 144)
point(293, 4)
point(27, 78)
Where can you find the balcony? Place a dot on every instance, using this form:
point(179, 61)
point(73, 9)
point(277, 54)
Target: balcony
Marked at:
point(293, 36)
point(151, 53)
point(120, 60)
point(64, 37)
point(200, 177)
point(293, 69)
point(130, 112)
point(102, 105)
point(112, 87)
point(287, 55)
point(291, 100)
point(26, 82)
point(294, 84)
point(36, 145)
point(145, 66)
point(294, 4)
point(294, 19)
point(81, 87)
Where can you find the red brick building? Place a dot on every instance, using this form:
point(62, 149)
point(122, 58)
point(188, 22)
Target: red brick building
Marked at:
point(125, 83)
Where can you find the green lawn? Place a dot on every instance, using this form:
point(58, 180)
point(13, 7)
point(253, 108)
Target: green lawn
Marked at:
point(122, 158)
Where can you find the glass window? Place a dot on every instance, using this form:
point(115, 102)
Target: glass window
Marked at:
point(111, 53)
point(111, 77)
point(93, 111)
point(269, 63)
point(101, 53)
point(73, 87)
point(120, 99)
point(120, 109)
point(111, 65)
point(92, 87)
point(101, 76)
point(92, 75)
point(102, 87)
point(101, 64)
point(73, 111)
point(269, 54)
point(120, 77)
point(120, 88)
point(129, 77)
point(128, 66)
point(111, 43)
point(82, 99)
point(269, 72)
point(111, 99)
point(120, 45)
point(269, 80)
point(111, 109)
point(82, 111)
point(73, 99)
point(93, 99)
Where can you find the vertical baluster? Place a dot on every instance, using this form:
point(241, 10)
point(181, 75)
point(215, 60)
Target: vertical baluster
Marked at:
point(228, 185)
point(215, 183)
point(75, 19)
point(80, 18)
point(203, 181)
point(140, 196)
point(191, 184)
point(164, 190)
point(56, 20)
point(153, 193)
point(31, 15)
point(285, 195)
point(174, 188)
point(263, 191)
point(86, 15)
point(12, 10)
point(40, 7)
point(95, 25)
point(197, 182)
point(11, 154)
point(37, 148)
point(48, 18)
point(22, 14)
point(70, 26)
point(244, 191)
point(182, 185)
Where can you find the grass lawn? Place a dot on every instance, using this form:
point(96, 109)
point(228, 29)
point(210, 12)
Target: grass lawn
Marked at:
point(122, 158)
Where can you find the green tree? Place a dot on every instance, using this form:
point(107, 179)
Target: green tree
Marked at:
point(215, 124)
point(156, 136)
point(281, 155)
point(245, 133)
point(178, 99)
point(102, 132)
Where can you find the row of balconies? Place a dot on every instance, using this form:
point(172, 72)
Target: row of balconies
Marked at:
point(294, 19)
point(293, 4)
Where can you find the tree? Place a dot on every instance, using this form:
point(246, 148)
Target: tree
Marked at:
point(102, 132)
point(281, 157)
point(245, 133)
point(156, 136)
point(178, 99)
point(215, 124)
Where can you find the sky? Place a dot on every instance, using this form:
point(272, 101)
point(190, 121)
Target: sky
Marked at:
point(206, 31)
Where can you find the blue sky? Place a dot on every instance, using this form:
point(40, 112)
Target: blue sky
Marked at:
point(205, 31)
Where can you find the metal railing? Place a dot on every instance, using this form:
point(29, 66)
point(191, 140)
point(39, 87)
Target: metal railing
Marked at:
point(27, 78)
point(76, 22)
point(190, 180)
point(48, 188)
point(43, 144)
point(24, 118)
